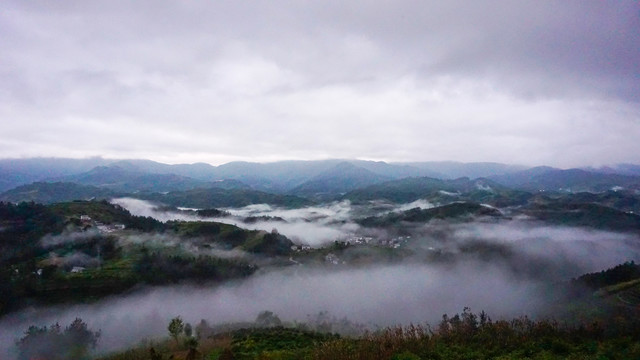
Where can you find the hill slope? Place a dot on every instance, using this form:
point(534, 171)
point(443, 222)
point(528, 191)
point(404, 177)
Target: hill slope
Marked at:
point(453, 211)
point(411, 189)
point(130, 180)
point(218, 197)
point(573, 180)
point(47, 193)
point(337, 180)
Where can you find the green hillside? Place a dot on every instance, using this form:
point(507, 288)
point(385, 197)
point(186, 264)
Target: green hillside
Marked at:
point(218, 197)
point(48, 193)
point(336, 181)
point(85, 250)
point(584, 214)
point(454, 211)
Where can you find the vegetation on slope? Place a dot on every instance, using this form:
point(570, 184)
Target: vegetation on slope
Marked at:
point(218, 197)
point(459, 337)
point(84, 250)
point(615, 275)
point(586, 215)
point(401, 191)
point(570, 180)
point(48, 193)
point(106, 213)
point(336, 181)
point(458, 210)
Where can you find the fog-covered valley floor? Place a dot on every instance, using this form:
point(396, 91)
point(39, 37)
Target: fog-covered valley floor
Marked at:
point(506, 267)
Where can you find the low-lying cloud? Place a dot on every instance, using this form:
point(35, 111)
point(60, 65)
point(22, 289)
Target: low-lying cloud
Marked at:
point(191, 246)
point(529, 248)
point(69, 237)
point(148, 209)
point(381, 295)
point(313, 226)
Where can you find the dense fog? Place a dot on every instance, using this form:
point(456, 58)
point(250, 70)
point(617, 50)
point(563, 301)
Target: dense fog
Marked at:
point(375, 296)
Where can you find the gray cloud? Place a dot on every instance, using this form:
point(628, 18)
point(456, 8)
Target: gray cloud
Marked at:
point(544, 82)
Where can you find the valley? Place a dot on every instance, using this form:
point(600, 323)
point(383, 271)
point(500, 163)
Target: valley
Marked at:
point(387, 254)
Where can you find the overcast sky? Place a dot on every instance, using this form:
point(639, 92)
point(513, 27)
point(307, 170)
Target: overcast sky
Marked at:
point(528, 82)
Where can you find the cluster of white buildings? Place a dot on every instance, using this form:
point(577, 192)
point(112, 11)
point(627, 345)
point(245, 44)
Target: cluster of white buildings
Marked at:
point(103, 228)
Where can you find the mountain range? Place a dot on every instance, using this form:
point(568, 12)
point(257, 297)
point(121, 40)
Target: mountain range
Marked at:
point(299, 182)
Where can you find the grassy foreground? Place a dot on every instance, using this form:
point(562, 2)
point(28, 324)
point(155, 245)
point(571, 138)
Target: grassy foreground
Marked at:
point(462, 336)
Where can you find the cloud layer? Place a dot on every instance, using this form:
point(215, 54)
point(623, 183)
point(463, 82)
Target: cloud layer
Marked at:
point(521, 82)
point(385, 295)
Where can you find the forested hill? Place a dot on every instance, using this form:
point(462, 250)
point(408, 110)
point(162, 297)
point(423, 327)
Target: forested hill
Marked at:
point(85, 250)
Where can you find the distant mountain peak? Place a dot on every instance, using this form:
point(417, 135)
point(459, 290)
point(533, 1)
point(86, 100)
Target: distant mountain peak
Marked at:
point(339, 179)
point(345, 165)
point(347, 170)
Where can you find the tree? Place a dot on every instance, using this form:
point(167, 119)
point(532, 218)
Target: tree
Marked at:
point(203, 329)
point(188, 330)
point(192, 344)
point(74, 343)
point(154, 355)
point(268, 319)
point(176, 327)
point(79, 339)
